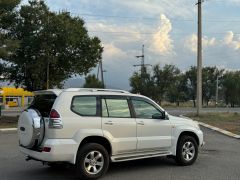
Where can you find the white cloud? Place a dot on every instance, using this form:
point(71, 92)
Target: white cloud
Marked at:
point(111, 52)
point(191, 42)
point(162, 42)
point(114, 32)
point(232, 41)
point(234, 1)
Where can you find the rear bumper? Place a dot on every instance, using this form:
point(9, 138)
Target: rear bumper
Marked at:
point(62, 150)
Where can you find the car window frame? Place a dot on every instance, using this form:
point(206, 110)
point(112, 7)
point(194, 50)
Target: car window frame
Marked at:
point(97, 106)
point(147, 101)
point(104, 97)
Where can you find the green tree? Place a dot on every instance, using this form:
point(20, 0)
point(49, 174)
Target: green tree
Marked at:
point(142, 83)
point(163, 80)
point(91, 81)
point(210, 75)
point(50, 40)
point(191, 76)
point(177, 91)
point(231, 86)
point(8, 14)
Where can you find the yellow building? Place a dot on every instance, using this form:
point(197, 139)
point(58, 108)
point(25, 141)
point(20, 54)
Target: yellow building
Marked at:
point(15, 96)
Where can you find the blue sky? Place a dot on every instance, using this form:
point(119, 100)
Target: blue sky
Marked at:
point(166, 27)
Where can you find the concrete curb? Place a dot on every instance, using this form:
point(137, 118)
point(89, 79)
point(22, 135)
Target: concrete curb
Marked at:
point(8, 129)
point(220, 130)
point(216, 129)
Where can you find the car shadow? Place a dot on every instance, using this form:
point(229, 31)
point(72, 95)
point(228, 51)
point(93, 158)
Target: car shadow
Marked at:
point(44, 172)
point(138, 165)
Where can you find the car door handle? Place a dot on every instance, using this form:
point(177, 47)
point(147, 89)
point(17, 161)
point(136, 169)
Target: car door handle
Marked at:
point(109, 123)
point(140, 123)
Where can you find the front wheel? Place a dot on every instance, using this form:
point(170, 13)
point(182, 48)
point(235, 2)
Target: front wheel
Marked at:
point(187, 151)
point(92, 161)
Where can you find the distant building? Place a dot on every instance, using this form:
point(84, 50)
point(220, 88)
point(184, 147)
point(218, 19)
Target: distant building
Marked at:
point(14, 97)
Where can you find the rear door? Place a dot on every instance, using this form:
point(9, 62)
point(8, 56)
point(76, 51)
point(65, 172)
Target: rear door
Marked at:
point(43, 103)
point(118, 124)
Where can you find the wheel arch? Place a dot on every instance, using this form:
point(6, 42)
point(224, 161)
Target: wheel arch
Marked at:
point(99, 140)
point(188, 133)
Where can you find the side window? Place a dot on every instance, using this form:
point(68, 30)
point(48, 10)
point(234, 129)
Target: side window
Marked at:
point(145, 110)
point(84, 105)
point(117, 108)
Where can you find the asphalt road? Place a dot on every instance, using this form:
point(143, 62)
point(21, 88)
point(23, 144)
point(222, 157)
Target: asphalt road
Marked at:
point(218, 160)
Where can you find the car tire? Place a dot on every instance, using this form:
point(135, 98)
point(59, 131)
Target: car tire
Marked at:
point(92, 161)
point(187, 151)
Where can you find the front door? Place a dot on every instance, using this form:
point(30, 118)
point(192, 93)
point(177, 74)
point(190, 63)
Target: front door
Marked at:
point(153, 132)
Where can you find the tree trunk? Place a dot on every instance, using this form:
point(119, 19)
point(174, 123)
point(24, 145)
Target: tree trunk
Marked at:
point(160, 102)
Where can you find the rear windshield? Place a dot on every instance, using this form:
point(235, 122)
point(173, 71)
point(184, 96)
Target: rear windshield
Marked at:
point(43, 103)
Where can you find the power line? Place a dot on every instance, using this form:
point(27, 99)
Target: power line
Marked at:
point(151, 33)
point(128, 17)
point(154, 18)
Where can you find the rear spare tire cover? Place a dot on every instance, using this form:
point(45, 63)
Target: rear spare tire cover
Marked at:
point(30, 128)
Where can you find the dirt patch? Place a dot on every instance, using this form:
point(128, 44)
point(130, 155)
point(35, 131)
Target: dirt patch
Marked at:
point(226, 121)
point(8, 122)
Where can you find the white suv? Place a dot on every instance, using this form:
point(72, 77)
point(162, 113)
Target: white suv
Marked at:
point(92, 127)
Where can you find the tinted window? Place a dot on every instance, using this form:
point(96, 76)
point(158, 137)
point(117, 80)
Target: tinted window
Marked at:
point(145, 110)
point(85, 105)
point(43, 103)
point(115, 108)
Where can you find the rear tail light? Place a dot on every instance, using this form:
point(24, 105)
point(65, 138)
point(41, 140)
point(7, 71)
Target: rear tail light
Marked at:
point(54, 114)
point(46, 149)
point(55, 121)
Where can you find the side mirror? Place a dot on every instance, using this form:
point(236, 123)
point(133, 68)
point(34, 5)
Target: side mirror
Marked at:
point(163, 115)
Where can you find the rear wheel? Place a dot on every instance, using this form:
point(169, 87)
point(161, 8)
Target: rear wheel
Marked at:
point(187, 151)
point(92, 161)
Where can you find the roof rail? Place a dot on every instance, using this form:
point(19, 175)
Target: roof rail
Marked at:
point(111, 90)
point(97, 90)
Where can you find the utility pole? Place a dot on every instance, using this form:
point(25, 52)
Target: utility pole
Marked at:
point(199, 59)
point(102, 71)
point(143, 65)
point(217, 92)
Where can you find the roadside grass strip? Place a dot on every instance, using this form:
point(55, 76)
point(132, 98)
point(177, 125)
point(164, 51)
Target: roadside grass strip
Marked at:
point(219, 130)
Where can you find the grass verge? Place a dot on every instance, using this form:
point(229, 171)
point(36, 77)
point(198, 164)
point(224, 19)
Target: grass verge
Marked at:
point(8, 122)
point(226, 121)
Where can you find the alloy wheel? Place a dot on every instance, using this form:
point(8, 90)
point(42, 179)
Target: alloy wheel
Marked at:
point(188, 151)
point(93, 162)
